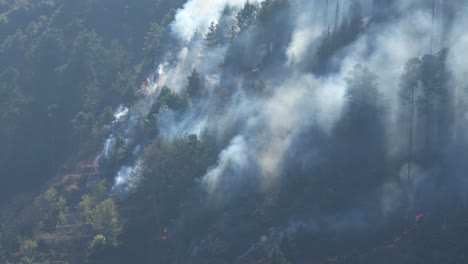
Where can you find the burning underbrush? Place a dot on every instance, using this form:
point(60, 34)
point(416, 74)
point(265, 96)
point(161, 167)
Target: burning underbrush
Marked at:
point(430, 238)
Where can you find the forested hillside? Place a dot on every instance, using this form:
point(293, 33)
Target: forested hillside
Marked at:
point(65, 61)
point(250, 132)
point(65, 66)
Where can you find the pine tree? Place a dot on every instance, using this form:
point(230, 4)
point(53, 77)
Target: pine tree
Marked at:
point(214, 36)
point(194, 86)
point(247, 16)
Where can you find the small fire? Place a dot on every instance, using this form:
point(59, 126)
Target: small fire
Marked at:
point(164, 235)
point(94, 166)
point(143, 90)
point(419, 216)
point(399, 238)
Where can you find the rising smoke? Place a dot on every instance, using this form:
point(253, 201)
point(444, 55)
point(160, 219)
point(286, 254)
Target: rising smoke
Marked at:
point(259, 133)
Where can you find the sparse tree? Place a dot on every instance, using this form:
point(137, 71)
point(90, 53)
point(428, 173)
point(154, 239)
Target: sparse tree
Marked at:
point(83, 124)
point(98, 241)
point(27, 249)
point(194, 87)
point(105, 219)
point(215, 35)
point(425, 87)
point(12, 100)
point(86, 207)
point(246, 16)
point(359, 135)
point(50, 205)
point(152, 45)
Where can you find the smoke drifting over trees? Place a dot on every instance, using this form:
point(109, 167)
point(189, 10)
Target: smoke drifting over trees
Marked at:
point(276, 131)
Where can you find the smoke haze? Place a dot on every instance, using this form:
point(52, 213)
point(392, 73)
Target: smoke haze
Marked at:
point(276, 111)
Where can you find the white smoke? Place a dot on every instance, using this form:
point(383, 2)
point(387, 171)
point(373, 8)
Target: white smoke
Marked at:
point(196, 16)
point(234, 158)
point(127, 178)
point(392, 198)
point(264, 128)
point(120, 114)
point(260, 130)
point(457, 43)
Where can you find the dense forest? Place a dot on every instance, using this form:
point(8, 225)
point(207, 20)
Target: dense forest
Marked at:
point(233, 131)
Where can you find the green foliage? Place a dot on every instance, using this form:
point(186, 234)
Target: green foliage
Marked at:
point(194, 86)
point(151, 48)
point(82, 124)
point(362, 86)
point(78, 55)
point(426, 88)
point(246, 16)
point(169, 169)
point(98, 241)
point(62, 218)
point(215, 35)
point(27, 248)
point(50, 200)
point(360, 131)
point(52, 207)
point(86, 207)
point(97, 133)
point(26, 260)
point(123, 86)
point(364, 102)
point(167, 99)
point(89, 202)
point(331, 43)
point(364, 106)
point(105, 220)
point(48, 50)
point(12, 99)
point(106, 117)
point(65, 66)
point(428, 77)
point(10, 225)
point(104, 75)
point(269, 8)
point(100, 190)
